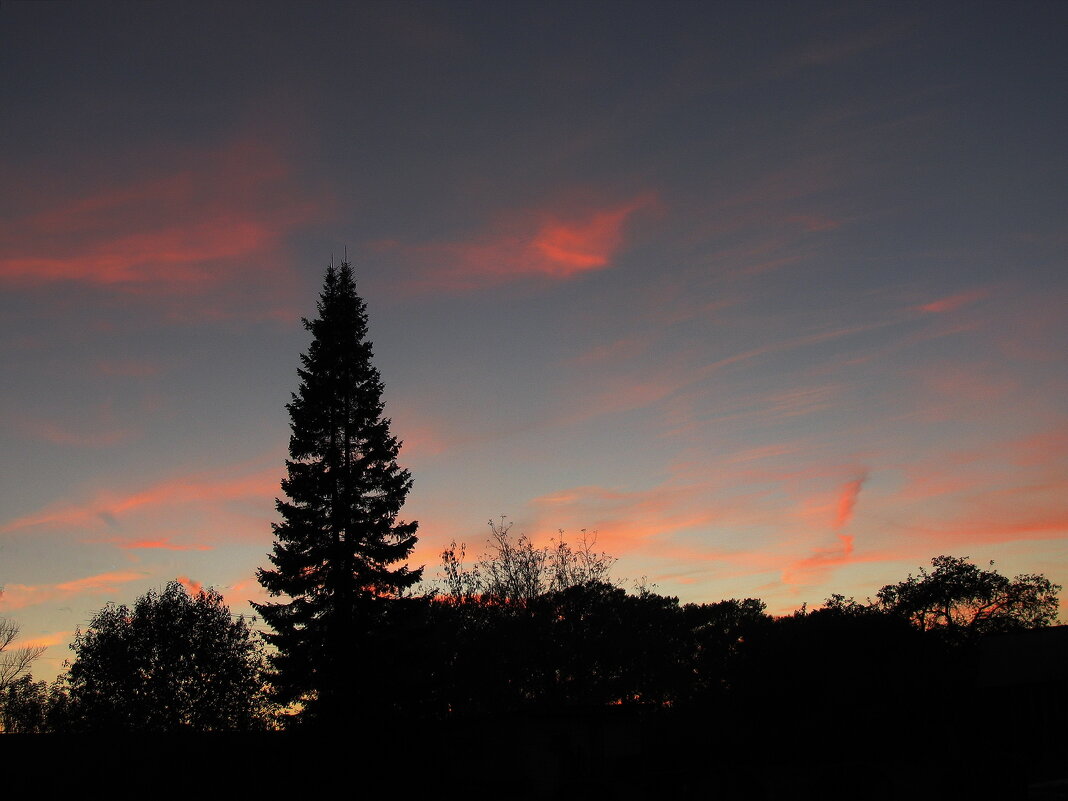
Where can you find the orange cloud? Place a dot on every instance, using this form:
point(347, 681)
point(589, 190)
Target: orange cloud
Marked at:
point(19, 596)
point(545, 243)
point(1047, 447)
point(812, 568)
point(194, 587)
point(163, 544)
point(1020, 513)
point(421, 438)
point(167, 256)
point(968, 384)
point(586, 243)
point(999, 492)
point(847, 501)
point(954, 302)
point(46, 640)
point(241, 592)
point(201, 220)
point(645, 521)
point(108, 510)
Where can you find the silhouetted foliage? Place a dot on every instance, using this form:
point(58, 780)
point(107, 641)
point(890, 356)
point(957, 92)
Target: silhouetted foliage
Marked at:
point(172, 662)
point(541, 628)
point(29, 707)
point(339, 535)
point(585, 645)
point(517, 571)
point(959, 599)
point(717, 634)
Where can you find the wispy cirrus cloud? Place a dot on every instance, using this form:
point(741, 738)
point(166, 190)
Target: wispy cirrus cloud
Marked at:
point(19, 596)
point(956, 301)
point(60, 434)
point(193, 222)
point(46, 640)
point(162, 545)
point(814, 567)
point(847, 501)
point(549, 242)
point(224, 504)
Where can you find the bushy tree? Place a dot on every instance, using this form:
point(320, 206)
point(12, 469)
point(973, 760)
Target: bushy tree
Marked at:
point(172, 662)
point(716, 636)
point(516, 571)
point(338, 545)
point(959, 598)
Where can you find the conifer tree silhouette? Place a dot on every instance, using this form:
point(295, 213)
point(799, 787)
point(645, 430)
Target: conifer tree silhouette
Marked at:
point(336, 550)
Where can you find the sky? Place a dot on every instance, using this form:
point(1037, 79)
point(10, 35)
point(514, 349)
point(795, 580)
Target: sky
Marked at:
point(769, 296)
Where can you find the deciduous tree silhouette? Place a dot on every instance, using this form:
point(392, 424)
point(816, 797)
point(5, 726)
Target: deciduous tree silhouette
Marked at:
point(961, 599)
point(516, 571)
point(336, 550)
point(172, 662)
point(14, 662)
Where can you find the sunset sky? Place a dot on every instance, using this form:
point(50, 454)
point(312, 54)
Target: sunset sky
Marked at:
point(771, 296)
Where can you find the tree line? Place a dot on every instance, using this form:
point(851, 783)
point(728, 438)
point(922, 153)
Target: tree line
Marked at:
point(179, 661)
point(356, 636)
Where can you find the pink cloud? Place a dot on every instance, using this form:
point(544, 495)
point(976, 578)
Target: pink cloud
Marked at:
point(812, 568)
point(1028, 512)
point(954, 302)
point(46, 640)
point(646, 521)
point(1046, 448)
point(241, 592)
point(193, 587)
point(214, 495)
point(202, 220)
point(422, 440)
point(968, 383)
point(576, 245)
point(548, 243)
point(162, 544)
point(847, 501)
point(1000, 491)
point(165, 257)
point(19, 596)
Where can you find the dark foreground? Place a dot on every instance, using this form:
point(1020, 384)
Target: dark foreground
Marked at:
point(997, 730)
point(620, 753)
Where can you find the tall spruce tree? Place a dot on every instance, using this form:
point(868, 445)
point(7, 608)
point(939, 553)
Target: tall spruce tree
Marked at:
point(337, 549)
